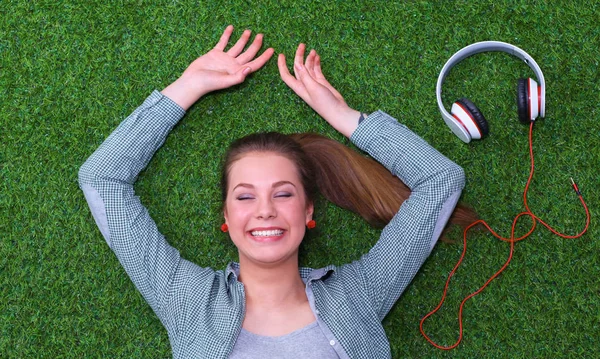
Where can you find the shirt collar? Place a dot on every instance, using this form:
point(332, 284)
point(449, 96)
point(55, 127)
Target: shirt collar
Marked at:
point(307, 274)
point(233, 268)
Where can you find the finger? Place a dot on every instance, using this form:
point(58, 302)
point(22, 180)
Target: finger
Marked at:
point(290, 80)
point(303, 76)
point(310, 63)
point(240, 44)
point(260, 61)
point(252, 50)
point(299, 59)
point(317, 68)
point(322, 80)
point(284, 72)
point(224, 38)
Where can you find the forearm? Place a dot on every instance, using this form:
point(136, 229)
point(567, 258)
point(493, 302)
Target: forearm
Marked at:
point(129, 148)
point(405, 154)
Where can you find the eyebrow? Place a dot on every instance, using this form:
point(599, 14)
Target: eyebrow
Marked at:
point(274, 185)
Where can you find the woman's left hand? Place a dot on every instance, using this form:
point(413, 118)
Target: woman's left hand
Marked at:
point(311, 85)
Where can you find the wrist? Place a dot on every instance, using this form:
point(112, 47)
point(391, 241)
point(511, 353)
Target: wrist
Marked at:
point(183, 93)
point(346, 121)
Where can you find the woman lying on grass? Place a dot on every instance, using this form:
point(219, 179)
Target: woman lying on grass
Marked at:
point(265, 305)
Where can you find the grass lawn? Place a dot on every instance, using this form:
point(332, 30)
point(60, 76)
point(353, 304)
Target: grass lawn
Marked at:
point(70, 72)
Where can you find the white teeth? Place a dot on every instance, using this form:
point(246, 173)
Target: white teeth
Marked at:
point(274, 232)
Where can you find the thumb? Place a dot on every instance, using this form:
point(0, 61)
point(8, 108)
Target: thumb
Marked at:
point(236, 78)
point(246, 70)
point(239, 76)
point(243, 73)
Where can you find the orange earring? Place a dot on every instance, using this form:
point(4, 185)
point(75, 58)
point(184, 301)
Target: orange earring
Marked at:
point(224, 228)
point(311, 224)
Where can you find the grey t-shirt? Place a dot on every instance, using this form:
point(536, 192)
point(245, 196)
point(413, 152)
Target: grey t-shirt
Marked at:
point(306, 343)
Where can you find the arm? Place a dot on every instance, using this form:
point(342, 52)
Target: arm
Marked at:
point(436, 184)
point(107, 179)
point(435, 181)
point(108, 175)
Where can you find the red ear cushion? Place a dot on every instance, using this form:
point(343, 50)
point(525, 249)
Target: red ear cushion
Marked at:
point(480, 121)
point(522, 101)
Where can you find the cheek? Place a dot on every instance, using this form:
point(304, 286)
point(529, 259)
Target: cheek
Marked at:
point(295, 214)
point(236, 213)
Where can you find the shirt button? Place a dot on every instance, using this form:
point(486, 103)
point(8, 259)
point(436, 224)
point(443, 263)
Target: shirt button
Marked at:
point(332, 342)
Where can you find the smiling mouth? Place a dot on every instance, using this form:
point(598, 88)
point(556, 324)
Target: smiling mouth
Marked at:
point(269, 233)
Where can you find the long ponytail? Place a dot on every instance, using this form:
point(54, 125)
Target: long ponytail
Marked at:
point(361, 184)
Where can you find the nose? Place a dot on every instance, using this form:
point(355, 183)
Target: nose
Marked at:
point(266, 209)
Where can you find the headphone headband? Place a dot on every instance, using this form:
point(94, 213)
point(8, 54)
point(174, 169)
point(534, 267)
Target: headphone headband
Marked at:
point(488, 46)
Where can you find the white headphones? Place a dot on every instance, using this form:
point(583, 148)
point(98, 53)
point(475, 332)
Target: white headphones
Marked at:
point(465, 119)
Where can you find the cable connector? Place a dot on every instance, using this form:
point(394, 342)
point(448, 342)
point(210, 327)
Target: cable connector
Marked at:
point(575, 187)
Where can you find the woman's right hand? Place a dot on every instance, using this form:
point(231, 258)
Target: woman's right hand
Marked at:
point(217, 69)
point(311, 85)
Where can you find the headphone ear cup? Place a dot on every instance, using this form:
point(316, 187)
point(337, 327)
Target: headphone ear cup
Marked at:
point(522, 101)
point(475, 115)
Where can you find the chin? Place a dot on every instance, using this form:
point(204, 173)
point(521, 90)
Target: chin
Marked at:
point(272, 257)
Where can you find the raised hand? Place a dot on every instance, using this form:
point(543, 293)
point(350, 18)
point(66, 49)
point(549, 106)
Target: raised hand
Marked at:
point(311, 85)
point(218, 69)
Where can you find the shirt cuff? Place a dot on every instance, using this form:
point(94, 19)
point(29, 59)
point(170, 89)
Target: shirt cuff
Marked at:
point(171, 111)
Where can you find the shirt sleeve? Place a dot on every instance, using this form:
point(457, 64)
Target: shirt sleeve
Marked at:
point(107, 179)
point(436, 184)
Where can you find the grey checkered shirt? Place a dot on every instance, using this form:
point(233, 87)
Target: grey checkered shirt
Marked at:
point(203, 309)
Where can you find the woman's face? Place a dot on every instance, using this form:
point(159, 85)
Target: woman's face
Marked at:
point(266, 208)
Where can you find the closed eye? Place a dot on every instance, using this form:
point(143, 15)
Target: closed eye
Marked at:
point(244, 197)
point(283, 194)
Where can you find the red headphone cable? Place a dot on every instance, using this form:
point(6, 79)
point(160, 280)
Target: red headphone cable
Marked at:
point(511, 240)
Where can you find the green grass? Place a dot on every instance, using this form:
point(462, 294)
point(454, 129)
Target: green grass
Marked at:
point(70, 72)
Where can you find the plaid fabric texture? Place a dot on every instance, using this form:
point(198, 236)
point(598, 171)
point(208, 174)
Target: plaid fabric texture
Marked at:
point(202, 309)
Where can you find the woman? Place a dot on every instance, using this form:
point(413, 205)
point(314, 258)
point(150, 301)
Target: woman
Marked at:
point(265, 306)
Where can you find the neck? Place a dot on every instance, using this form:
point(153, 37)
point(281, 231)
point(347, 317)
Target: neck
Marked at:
point(272, 286)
